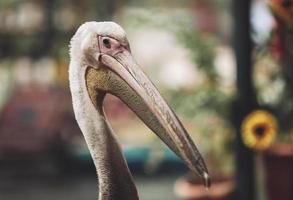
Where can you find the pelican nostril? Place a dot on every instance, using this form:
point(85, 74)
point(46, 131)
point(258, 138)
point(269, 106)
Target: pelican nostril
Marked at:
point(106, 43)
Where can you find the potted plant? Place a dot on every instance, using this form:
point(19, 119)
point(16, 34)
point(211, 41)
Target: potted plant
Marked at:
point(278, 160)
point(278, 164)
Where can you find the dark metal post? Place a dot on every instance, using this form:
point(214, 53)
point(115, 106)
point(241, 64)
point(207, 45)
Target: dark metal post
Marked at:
point(245, 100)
point(46, 36)
point(49, 32)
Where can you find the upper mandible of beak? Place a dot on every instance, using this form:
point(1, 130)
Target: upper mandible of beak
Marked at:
point(128, 82)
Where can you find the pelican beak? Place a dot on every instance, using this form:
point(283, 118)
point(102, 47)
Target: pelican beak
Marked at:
point(127, 81)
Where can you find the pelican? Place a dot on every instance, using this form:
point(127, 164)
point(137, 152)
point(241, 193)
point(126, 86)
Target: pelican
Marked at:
point(101, 63)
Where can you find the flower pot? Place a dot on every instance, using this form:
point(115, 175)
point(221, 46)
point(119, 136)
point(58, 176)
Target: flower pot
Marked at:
point(278, 163)
point(191, 188)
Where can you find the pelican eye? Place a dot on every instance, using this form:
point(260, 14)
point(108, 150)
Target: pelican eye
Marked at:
point(106, 43)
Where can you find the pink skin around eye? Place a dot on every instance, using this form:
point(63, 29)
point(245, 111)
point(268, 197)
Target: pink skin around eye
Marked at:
point(110, 46)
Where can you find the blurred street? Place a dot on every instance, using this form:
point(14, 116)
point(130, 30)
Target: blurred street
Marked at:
point(77, 186)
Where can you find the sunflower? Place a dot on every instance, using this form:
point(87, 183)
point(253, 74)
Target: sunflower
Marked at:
point(258, 130)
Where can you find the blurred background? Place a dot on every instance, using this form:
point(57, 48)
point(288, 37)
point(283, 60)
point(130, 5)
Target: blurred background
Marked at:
point(225, 67)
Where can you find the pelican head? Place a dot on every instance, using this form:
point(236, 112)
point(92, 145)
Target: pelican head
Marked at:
point(102, 63)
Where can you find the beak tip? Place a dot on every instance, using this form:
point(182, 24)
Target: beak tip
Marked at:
point(207, 180)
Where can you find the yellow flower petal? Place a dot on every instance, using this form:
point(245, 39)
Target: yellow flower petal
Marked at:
point(258, 130)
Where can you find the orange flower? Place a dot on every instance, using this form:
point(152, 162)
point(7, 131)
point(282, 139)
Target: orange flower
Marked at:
point(258, 130)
